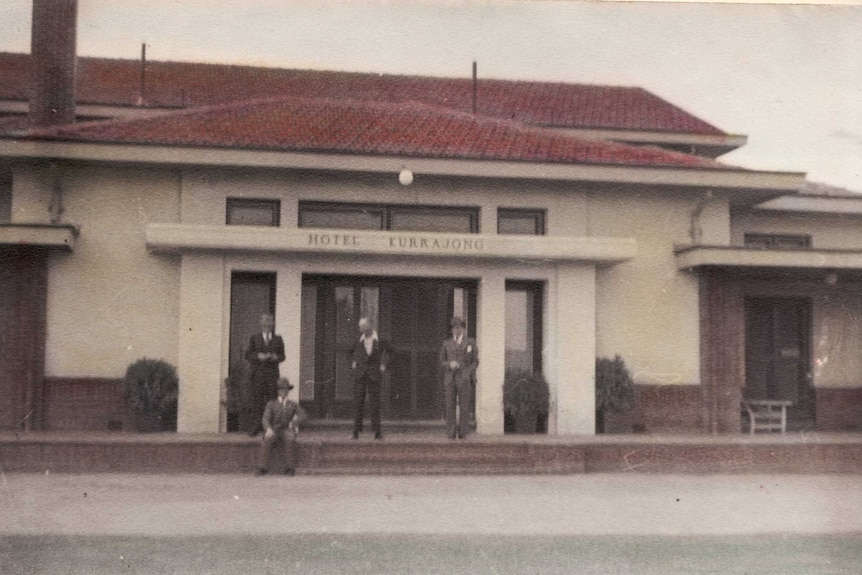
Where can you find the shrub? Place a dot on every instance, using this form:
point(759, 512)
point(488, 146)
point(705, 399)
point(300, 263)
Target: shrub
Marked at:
point(151, 385)
point(615, 389)
point(525, 393)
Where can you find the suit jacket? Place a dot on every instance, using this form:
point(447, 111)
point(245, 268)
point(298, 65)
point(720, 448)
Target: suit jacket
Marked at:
point(265, 371)
point(278, 417)
point(368, 365)
point(467, 354)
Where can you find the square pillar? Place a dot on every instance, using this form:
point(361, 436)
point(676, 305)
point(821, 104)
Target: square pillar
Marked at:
point(491, 339)
point(202, 324)
point(570, 364)
point(288, 322)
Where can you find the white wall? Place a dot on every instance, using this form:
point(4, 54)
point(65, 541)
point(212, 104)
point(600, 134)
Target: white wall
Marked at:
point(647, 311)
point(110, 302)
point(827, 231)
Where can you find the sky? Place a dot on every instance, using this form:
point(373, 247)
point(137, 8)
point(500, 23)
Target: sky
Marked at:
point(787, 76)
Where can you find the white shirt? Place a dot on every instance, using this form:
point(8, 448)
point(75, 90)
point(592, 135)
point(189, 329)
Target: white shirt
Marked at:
point(368, 342)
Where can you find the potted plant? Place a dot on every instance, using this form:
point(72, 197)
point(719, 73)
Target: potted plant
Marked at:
point(151, 388)
point(615, 391)
point(525, 400)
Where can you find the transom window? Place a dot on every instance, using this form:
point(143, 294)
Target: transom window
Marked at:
point(778, 241)
point(253, 212)
point(345, 216)
point(520, 221)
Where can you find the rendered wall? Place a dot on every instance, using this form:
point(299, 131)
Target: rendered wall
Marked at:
point(827, 231)
point(647, 311)
point(110, 302)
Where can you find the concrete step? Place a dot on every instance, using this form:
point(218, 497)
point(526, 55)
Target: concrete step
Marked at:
point(429, 452)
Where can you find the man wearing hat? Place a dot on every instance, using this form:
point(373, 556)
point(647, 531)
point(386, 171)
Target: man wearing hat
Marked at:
point(281, 419)
point(265, 352)
point(459, 358)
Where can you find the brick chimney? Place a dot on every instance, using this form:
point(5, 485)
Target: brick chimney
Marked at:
point(52, 62)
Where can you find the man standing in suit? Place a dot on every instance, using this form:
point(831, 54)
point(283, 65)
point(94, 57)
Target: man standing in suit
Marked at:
point(369, 357)
point(459, 358)
point(281, 420)
point(265, 352)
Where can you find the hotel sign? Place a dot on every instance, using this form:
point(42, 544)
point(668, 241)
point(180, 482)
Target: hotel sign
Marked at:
point(400, 242)
point(181, 238)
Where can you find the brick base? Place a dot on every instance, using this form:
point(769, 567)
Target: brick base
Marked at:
point(86, 404)
point(660, 409)
point(839, 409)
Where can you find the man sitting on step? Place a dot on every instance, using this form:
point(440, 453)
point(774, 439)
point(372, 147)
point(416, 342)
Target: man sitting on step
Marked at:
point(281, 420)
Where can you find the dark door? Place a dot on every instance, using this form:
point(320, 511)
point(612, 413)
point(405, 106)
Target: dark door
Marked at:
point(251, 294)
point(412, 313)
point(23, 296)
point(778, 356)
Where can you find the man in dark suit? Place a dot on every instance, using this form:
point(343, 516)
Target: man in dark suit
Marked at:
point(280, 421)
point(459, 358)
point(369, 357)
point(265, 352)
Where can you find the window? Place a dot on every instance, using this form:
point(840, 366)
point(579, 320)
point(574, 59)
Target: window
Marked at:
point(5, 196)
point(523, 321)
point(778, 241)
point(333, 215)
point(248, 212)
point(520, 221)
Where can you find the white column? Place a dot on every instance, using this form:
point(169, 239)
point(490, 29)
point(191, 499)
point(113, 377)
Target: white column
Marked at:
point(288, 314)
point(492, 353)
point(572, 350)
point(200, 342)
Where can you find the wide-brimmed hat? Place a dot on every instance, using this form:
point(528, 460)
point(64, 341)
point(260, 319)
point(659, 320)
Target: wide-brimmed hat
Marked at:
point(457, 321)
point(284, 383)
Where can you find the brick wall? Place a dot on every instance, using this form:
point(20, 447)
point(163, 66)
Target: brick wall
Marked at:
point(673, 409)
point(839, 409)
point(85, 404)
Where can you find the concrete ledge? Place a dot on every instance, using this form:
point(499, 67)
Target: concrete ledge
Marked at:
point(324, 454)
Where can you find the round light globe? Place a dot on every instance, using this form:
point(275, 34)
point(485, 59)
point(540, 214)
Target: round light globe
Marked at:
point(405, 177)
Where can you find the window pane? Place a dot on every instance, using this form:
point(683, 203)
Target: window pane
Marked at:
point(308, 325)
point(519, 329)
point(340, 217)
point(252, 212)
point(528, 222)
point(777, 241)
point(345, 332)
point(424, 220)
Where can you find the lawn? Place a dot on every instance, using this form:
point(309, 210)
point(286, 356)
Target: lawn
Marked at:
point(429, 555)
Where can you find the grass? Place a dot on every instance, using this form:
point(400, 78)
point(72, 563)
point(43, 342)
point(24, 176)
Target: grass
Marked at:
point(430, 555)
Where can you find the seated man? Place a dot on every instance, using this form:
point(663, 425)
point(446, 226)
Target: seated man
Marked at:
point(281, 419)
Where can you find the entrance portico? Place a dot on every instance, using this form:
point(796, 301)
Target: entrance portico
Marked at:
point(565, 266)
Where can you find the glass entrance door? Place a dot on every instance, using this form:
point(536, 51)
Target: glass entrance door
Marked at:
point(411, 313)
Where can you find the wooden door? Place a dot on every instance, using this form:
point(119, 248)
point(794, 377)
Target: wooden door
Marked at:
point(777, 355)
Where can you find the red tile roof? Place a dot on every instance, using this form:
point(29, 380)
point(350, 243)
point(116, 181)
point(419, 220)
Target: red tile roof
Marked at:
point(364, 127)
point(178, 84)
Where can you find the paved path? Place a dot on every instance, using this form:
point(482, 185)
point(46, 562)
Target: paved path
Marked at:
point(601, 504)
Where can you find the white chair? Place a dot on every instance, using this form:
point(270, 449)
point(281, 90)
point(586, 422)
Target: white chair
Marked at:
point(767, 414)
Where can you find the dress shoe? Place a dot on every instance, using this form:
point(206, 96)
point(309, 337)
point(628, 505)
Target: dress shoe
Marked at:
point(290, 471)
point(260, 472)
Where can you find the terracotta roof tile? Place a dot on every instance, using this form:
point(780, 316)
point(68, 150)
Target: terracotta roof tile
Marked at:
point(178, 84)
point(363, 127)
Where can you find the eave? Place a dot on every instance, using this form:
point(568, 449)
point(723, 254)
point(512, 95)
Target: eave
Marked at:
point(189, 238)
point(743, 187)
point(706, 145)
point(39, 235)
point(750, 259)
